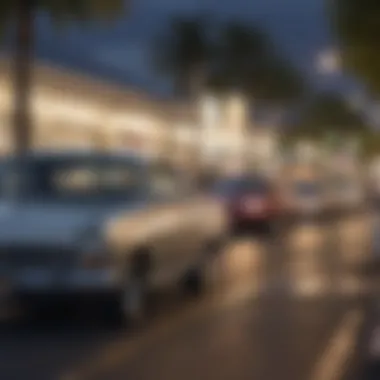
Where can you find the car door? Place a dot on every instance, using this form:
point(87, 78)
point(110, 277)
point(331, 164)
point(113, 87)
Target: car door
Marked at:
point(207, 223)
point(194, 212)
point(172, 238)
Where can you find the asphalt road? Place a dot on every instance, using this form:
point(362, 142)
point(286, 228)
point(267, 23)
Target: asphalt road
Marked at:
point(295, 307)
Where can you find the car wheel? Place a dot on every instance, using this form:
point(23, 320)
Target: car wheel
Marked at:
point(134, 301)
point(131, 304)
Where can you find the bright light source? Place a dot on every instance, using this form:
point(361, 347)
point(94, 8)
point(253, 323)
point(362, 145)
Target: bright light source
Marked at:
point(328, 62)
point(66, 110)
point(210, 112)
point(236, 111)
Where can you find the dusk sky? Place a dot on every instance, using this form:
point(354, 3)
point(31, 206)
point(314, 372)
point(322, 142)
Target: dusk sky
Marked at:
point(122, 52)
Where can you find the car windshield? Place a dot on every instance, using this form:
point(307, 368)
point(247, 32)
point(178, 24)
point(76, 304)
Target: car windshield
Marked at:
point(71, 179)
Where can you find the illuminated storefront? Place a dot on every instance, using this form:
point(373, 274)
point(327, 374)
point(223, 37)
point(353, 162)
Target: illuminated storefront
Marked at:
point(69, 111)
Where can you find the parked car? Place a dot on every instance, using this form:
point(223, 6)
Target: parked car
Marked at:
point(104, 226)
point(252, 203)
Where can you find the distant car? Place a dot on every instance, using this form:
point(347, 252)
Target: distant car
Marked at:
point(306, 198)
point(103, 226)
point(252, 203)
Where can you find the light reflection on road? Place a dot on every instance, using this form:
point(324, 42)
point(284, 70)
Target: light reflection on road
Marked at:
point(316, 259)
point(241, 265)
point(306, 238)
point(353, 238)
point(228, 318)
point(305, 265)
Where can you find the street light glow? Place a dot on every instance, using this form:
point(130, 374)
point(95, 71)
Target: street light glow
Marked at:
point(328, 62)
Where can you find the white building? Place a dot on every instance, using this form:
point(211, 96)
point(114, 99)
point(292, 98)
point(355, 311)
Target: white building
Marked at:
point(76, 111)
point(71, 110)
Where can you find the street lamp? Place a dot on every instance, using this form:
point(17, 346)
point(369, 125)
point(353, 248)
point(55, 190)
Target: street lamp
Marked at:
point(328, 62)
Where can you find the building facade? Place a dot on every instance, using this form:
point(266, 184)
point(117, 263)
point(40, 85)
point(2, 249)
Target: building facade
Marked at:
point(75, 111)
point(70, 111)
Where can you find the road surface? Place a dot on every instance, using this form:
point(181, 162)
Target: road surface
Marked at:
point(292, 307)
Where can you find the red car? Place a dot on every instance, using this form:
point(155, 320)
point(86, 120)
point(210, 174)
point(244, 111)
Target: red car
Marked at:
point(252, 203)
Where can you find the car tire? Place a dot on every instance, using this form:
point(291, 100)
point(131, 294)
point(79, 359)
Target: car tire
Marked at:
point(134, 301)
point(133, 298)
point(130, 307)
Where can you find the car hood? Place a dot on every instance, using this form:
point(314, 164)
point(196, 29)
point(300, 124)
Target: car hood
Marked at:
point(46, 223)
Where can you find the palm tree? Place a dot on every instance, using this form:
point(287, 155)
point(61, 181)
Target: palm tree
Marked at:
point(247, 62)
point(23, 13)
point(328, 119)
point(239, 49)
point(184, 55)
point(238, 58)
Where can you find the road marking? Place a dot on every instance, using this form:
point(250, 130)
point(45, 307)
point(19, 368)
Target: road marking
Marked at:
point(334, 360)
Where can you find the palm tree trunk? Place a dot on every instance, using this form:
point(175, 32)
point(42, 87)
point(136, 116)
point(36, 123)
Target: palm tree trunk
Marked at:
point(23, 59)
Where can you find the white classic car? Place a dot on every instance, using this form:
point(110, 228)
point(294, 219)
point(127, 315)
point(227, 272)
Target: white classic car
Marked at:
point(99, 224)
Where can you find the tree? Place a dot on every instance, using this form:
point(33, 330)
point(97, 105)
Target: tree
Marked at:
point(237, 50)
point(357, 26)
point(328, 114)
point(237, 57)
point(184, 54)
point(247, 61)
point(277, 82)
point(22, 13)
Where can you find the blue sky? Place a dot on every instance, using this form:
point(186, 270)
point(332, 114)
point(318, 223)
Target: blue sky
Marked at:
point(122, 52)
